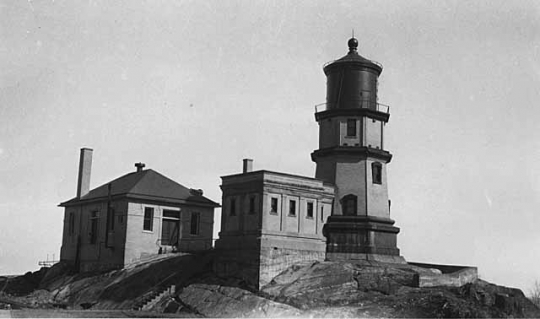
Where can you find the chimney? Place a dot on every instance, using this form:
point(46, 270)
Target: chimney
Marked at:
point(248, 165)
point(85, 168)
point(197, 192)
point(139, 166)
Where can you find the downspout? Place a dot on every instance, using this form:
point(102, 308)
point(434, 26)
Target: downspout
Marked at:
point(107, 222)
point(78, 251)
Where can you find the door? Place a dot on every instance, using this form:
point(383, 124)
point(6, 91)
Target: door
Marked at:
point(169, 232)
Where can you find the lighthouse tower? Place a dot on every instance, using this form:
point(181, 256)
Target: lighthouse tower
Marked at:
point(352, 157)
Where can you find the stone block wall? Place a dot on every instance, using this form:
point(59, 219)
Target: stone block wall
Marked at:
point(445, 275)
point(275, 260)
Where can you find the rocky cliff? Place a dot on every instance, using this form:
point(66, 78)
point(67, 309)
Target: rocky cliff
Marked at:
point(315, 289)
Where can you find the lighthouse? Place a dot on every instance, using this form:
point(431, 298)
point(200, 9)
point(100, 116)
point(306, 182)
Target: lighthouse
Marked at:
point(352, 157)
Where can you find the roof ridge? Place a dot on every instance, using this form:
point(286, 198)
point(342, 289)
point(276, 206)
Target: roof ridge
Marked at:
point(143, 174)
point(170, 179)
point(105, 184)
point(149, 183)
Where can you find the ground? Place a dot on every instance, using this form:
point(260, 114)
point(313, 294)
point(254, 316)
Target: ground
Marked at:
point(310, 289)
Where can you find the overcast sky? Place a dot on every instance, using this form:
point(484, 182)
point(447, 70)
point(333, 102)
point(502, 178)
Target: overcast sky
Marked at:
point(191, 88)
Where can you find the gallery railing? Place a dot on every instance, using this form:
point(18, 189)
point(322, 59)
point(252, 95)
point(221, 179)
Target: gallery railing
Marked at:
point(364, 104)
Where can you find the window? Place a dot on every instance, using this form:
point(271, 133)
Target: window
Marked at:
point(233, 207)
point(351, 127)
point(195, 220)
point(322, 214)
point(273, 205)
point(168, 213)
point(94, 219)
point(348, 204)
point(310, 210)
point(376, 171)
point(252, 205)
point(71, 224)
point(148, 219)
point(292, 208)
point(170, 224)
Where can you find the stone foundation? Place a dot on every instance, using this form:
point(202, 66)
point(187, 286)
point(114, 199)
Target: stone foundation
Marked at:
point(257, 260)
point(445, 275)
point(369, 257)
point(358, 237)
point(276, 260)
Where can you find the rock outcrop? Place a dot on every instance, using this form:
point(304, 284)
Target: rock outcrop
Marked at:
point(307, 289)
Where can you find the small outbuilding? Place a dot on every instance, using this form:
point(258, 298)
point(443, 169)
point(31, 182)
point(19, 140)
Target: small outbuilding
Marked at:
point(137, 215)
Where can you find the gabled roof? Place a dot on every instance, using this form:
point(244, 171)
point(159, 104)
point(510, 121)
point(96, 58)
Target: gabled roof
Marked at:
point(145, 185)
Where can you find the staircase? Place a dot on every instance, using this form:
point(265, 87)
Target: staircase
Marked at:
point(153, 298)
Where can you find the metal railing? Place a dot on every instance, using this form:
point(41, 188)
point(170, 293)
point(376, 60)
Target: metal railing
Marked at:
point(48, 263)
point(365, 104)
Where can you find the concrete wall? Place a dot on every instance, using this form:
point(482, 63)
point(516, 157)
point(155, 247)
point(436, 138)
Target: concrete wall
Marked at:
point(274, 261)
point(283, 187)
point(279, 239)
point(351, 179)
point(373, 133)
point(357, 178)
point(203, 239)
point(141, 243)
point(326, 169)
point(128, 242)
point(272, 220)
point(290, 222)
point(445, 275)
point(230, 222)
point(95, 256)
point(377, 194)
point(324, 210)
point(333, 132)
point(258, 259)
point(345, 140)
point(301, 192)
point(329, 132)
point(244, 218)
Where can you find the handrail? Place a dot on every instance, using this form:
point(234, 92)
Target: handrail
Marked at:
point(365, 104)
point(47, 263)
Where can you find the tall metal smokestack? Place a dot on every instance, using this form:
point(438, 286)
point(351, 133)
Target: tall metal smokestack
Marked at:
point(85, 168)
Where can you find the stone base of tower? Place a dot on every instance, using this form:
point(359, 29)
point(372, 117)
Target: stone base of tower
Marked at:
point(361, 238)
point(257, 258)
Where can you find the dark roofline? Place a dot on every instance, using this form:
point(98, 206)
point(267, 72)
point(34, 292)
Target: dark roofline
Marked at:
point(197, 200)
point(277, 173)
point(194, 202)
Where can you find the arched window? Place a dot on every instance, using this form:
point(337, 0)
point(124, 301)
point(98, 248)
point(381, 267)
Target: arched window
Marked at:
point(349, 205)
point(376, 171)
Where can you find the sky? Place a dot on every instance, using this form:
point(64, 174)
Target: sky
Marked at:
point(192, 87)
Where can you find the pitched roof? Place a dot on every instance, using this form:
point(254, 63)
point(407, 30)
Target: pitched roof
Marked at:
point(145, 185)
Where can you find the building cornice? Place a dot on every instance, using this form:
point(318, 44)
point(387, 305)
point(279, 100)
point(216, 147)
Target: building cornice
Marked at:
point(370, 113)
point(362, 152)
point(139, 197)
point(356, 223)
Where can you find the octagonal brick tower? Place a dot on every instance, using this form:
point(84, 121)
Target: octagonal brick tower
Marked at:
point(352, 156)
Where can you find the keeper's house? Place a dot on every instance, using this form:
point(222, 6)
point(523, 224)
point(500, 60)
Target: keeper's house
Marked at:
point(139, 214)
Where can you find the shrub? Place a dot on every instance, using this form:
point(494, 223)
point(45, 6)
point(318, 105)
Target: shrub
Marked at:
point(535, 293)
